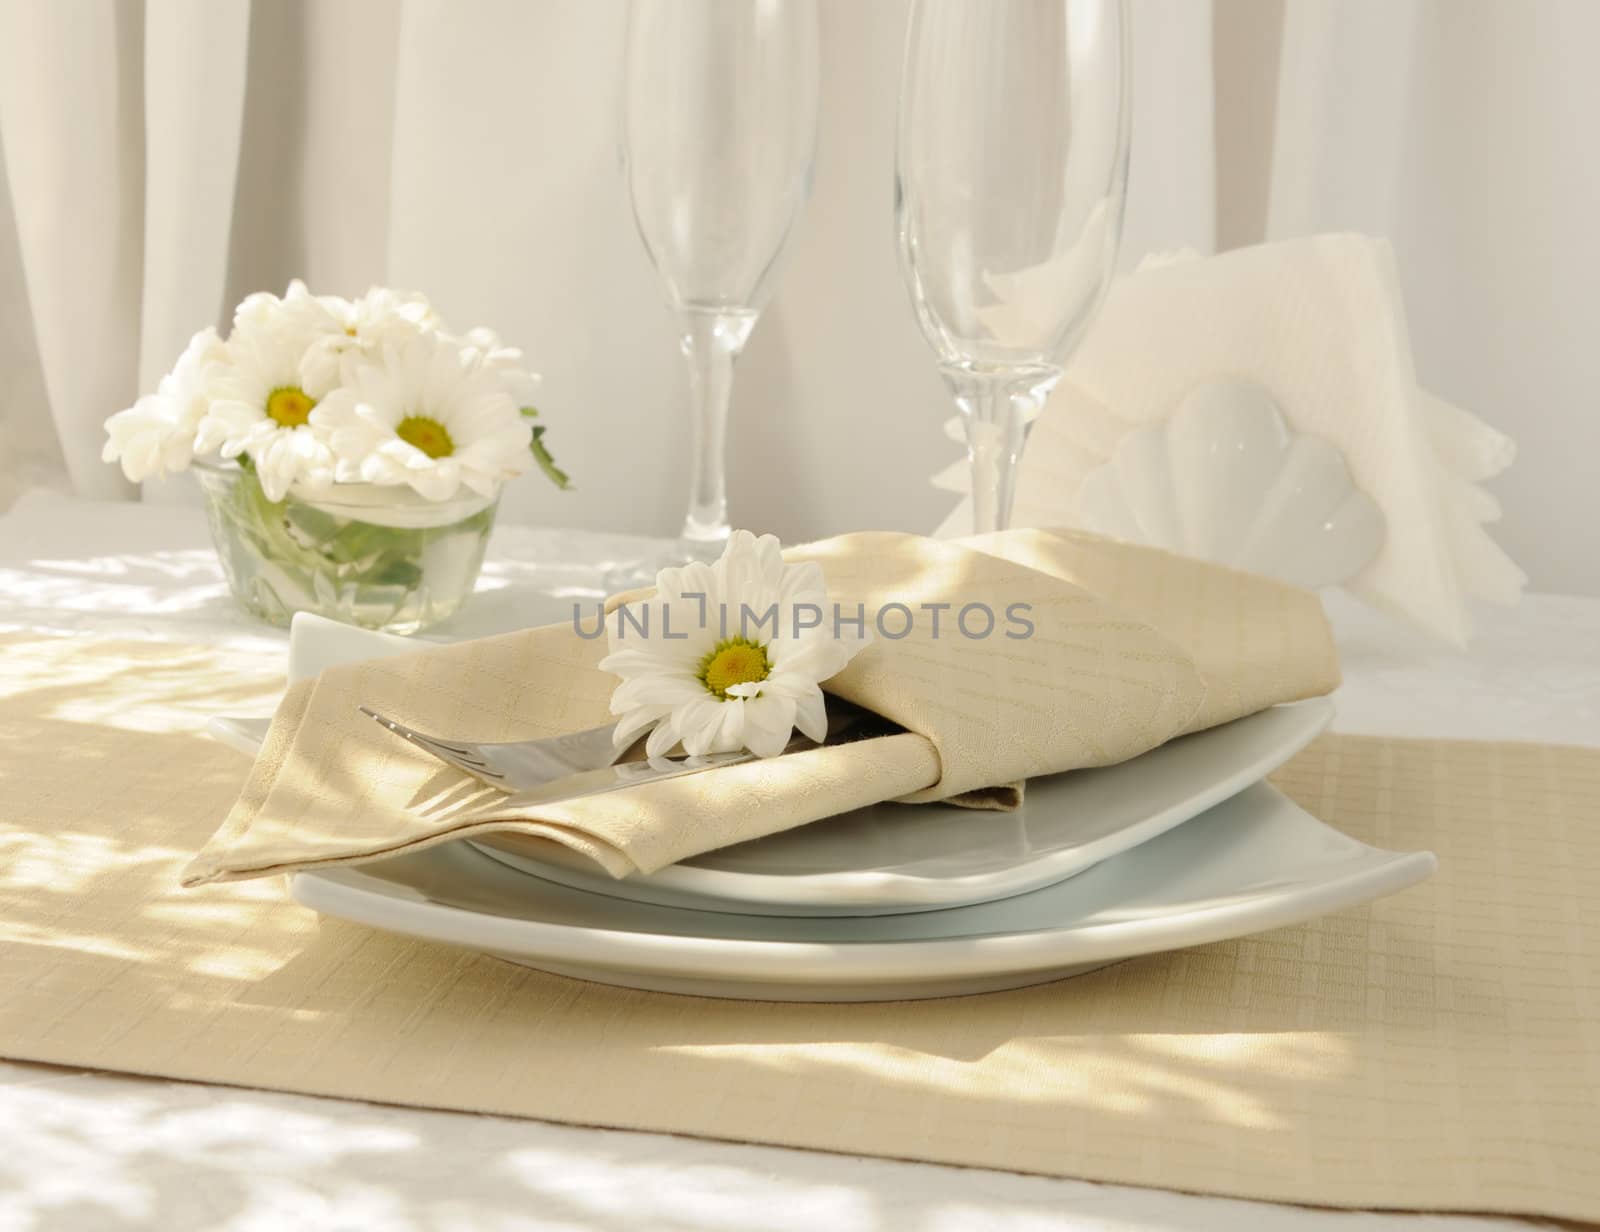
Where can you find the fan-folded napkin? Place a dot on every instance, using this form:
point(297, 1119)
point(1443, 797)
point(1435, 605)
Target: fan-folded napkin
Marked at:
point(1319, 323)
point(1130, 647)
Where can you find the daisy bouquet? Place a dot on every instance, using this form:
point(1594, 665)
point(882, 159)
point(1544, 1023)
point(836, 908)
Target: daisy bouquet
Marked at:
point(351, 451)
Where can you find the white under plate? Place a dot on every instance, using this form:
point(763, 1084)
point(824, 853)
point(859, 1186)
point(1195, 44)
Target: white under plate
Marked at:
point(1253, 862)
point(894, 858)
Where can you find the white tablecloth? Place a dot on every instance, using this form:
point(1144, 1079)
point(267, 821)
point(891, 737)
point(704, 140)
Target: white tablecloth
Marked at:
point(107, 1151)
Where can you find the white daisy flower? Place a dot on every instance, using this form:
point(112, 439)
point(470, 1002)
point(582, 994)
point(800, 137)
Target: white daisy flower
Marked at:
point(261, 407)
point(424, 413)
point(297, 309)
point(353, 327)
point(157, 433)
point(733, 682)
point(506, 362)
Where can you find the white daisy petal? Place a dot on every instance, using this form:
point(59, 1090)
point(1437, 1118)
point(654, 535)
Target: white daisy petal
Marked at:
point(663, 738)
point(768, 721)
point(634, 722)
point(811, 714)
point(722, 732)
point(638, 657)
point(658, 691)
point(802, 583)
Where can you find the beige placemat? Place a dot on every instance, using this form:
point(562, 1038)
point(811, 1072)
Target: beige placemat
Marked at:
point(1438, 1050)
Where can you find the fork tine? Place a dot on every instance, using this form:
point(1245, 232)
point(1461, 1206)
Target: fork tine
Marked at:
point(462, 759)
point(411, 733)
point(478, 770)
point(470, 765)
point(465, 760)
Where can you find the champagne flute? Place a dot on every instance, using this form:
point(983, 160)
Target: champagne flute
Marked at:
point(1010, 175)
point(719, 125)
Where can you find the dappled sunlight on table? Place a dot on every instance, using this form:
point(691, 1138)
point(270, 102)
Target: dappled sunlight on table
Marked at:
point(129, 803)
point(150, 687)
point(156, 583)
point(1156, 1073)
point(99, 1151)
point(69, 863)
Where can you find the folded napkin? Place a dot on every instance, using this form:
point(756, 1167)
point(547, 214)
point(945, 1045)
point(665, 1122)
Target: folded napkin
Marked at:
point(1131, 647)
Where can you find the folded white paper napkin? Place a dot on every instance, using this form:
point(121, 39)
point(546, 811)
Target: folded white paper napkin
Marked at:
point(1320, 324)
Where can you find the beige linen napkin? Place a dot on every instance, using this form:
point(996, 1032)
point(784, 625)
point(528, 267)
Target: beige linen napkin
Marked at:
point(1131, 647)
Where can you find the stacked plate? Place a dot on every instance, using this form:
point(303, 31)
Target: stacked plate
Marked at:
point(1182, 846)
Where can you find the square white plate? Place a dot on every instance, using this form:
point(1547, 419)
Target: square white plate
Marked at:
point(893, 858)
point(1254, 862)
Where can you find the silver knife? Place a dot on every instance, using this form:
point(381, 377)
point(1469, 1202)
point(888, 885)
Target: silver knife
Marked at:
point(846, 725)
point(615, 778)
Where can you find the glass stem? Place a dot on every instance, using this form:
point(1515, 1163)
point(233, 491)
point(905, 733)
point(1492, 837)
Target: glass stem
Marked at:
point(997, 411)
point(711, 341)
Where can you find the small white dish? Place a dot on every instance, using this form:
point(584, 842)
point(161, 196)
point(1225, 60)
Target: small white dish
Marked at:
point(1253, 862)
point(315, 643)
point(241, 734)
point(892, 858)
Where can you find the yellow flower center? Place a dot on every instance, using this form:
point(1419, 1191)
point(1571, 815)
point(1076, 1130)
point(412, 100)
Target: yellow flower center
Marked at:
point(428, 435)
point(290, 405)
point(735, 661)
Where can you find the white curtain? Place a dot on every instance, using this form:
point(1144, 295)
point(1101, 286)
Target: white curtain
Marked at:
point(165, 157)
point(1465, 131)
point(120, 129)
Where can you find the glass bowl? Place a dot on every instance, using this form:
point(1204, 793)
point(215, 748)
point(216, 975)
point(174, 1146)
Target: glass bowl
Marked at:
point(378, 557)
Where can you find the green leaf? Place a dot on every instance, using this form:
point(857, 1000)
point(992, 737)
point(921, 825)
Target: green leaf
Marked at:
point(541, 454)
point(396, 571)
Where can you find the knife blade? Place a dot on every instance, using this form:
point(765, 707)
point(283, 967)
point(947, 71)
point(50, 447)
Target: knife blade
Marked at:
point(615, 778)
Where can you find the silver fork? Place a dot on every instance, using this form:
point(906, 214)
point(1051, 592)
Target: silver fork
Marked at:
point(519, 764)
